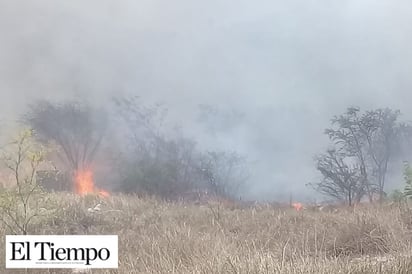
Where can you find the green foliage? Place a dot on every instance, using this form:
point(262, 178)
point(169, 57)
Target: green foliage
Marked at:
point(397, 196)
point(407, 175)
point(20, 204)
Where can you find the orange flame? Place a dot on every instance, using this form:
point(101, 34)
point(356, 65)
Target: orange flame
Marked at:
point(84, 184)
point(104, 193)
point(297, 206)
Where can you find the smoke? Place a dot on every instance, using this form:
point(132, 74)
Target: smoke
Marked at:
point(285, 67)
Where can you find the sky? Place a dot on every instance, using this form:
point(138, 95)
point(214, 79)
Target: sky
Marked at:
point(277, 71)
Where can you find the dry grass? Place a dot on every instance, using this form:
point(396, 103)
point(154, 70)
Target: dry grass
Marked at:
point(160, 237)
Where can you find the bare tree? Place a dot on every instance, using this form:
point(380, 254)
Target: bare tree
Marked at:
point(371, 139)
point(225, 172)
point(349, 139)
point(341, 180)
point(160, 160)
point(155, 161)
point(383, 135)
point(75, 127)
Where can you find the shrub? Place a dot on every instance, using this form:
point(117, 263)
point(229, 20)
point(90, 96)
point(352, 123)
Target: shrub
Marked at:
point(20, 204)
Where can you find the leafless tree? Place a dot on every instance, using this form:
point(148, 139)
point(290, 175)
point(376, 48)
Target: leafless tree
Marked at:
point(371, 139)
point(75, 127)
point(349, 139)
point(383, 135)
point(161, 161)
point(225, 173)
point(154, 162)
point(341, 179)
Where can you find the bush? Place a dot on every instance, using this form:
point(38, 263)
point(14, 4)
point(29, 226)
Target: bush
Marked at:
point(397, 196)
point(407, 175)
point(20, 204)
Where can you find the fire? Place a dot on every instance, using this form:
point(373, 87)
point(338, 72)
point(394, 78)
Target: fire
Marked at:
point(297, 206)
point(84, 184)
point(104, 193)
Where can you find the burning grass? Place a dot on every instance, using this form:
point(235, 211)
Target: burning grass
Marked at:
point(84, 183)
point(160, 237)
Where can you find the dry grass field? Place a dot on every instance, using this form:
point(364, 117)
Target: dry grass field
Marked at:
point(161, 237)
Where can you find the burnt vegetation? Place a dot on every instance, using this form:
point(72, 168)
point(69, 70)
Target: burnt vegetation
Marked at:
point(150, 156)
point(169, 196)
point(167, 164)
point(76, 128)
point(146, 156)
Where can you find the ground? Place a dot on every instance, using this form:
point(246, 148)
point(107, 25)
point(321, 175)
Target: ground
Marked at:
point(219, 237)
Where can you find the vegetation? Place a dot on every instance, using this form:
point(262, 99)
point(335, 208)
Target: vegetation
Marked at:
point(363, 146)
point(155, 158)
point(223, 237)
point(163, 162)
point(19, 203)
point(161, 232)
point(74, 127)
point(397, 196)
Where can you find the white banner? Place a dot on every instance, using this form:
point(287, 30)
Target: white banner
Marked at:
point(62, 251)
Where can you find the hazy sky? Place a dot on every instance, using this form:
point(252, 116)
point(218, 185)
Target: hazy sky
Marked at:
point(287, 66)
